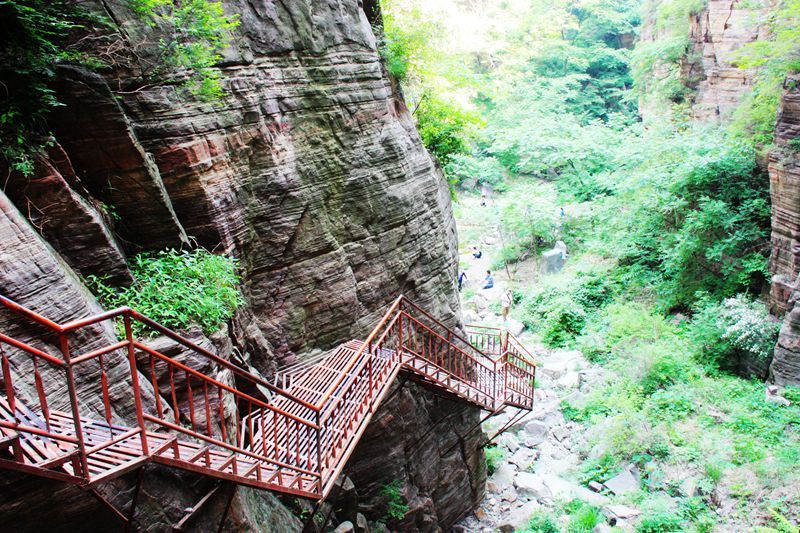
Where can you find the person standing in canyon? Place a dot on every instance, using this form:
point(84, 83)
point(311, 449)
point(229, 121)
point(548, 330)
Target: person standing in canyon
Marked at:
point(505, 303)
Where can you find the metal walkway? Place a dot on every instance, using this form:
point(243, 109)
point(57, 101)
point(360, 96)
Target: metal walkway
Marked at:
point(292, 435)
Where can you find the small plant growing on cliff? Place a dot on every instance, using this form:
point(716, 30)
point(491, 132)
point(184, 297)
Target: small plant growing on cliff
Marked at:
point(178, 288)
point(494, 456)
point(198, 32)
point(395, 501)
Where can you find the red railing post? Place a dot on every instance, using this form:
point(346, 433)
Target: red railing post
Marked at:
point(63, 341)
point(137, 395)
point(495, 378)
point(319, 450)
point(399, 334)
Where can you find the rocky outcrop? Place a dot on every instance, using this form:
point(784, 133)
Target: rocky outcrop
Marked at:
point(309, 170)
point(424, 442)
point(706, 73)
point(784, 173)
point(716, 34)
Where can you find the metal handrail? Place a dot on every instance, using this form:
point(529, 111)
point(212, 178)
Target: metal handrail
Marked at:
point(404, 333)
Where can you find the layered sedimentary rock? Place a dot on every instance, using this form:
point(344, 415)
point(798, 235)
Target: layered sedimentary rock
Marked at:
point(716, 34)
point(708, 68)
point(309, 170)
point(784, 172)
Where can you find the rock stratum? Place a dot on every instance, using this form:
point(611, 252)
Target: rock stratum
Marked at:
point(310, 171)
point(784, 173)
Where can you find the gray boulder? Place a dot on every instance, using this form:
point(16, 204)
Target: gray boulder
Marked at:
point(623, 482)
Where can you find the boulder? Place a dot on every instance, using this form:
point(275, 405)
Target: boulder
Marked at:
point(519, 517)
point(535, 432)
point(623, 482)
point(531, 486)
point(515, 327)
point(523, 458)
point(570, 380)
point(552, 261)
point(345, 527)
point(621, 512)
point(567, 490)
point(362, 525)
point(774, 396)
point(594, 486)
point(503, 476)
point(470, 316)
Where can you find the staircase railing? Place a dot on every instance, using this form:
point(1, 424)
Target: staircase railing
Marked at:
point(236, 410)
point(173, 396)
point(519, 372)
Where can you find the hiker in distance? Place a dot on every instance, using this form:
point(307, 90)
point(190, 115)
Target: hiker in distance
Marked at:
point(506, 299)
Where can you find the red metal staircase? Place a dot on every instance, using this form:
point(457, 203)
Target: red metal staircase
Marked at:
point(294, 438)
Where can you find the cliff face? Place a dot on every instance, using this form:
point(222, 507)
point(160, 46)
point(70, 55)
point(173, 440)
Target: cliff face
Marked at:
point(309, 170)
point(784, 173)
point(716, 34)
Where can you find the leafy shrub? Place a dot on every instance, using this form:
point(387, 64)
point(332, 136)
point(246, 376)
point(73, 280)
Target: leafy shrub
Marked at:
point(559, 308)
point(582, 517)
point(541, 522)
point(774, 57)
point(733, 329)
point(600, 468)
point(197, 32)
point(395, 501)
point(494, 456)
point(445, 128)
point(39, 34)
point(469, 172)
point(178, 288)
point(666, 369)
point(659, 517)
point(403, 46)
point(671, 404)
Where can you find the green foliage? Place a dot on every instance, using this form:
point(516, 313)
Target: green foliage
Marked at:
point(527, 223)
point(444, 127)
point(395, 501)
point(406, 38)
point(541, 522)
point(41, 34)
point(198, 31)
point(582, 517)
point(468, 172)
point(558, 308)
point(658, 64)
point(178, 289)
point(691, 217)
point(775, 56)
point(659, 516)
point(494, 457)
point(599, 468)
point(780, 524)
point(733, 329)
point(36, 37)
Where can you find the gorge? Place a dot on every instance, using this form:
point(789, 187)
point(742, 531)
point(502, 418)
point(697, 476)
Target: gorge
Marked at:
point(310, 161)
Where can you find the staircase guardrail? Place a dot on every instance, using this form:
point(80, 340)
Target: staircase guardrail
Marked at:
point(304, 442)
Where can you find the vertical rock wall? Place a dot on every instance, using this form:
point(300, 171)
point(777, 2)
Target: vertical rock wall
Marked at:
point(309, 170)
point(784, 173)
point(716, 34)
point(708, 68)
